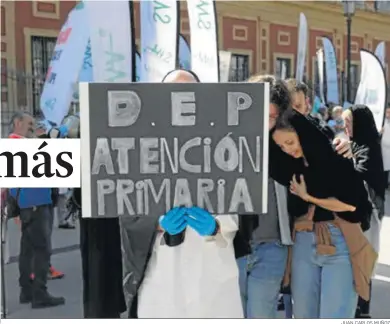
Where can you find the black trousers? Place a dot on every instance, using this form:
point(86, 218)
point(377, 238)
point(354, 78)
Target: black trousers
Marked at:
point(386, 179)
point(35, 249)
point(101, 259)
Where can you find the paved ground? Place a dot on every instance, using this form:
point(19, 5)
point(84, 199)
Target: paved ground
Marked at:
point(67, 258)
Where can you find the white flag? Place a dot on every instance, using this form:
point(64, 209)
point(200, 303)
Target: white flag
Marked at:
point(302, 47)
point(204, 39)
point(159, 38)
point(111, 40)
point(380, 52)
point(332, 85)
point(320, 66)
point(65, 66)
point(372, 87)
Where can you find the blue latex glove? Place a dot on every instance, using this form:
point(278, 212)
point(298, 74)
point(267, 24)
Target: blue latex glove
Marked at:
point(201, 221)
point(174, 221)
point(63, 129)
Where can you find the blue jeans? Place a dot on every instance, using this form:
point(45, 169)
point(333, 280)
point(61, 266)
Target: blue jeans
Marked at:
point(322, 285)
point(261, 274)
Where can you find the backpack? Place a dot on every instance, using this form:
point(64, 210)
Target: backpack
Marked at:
point(12, 205)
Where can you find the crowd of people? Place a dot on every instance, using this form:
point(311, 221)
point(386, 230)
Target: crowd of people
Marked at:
point(317, 245)
point(326, 193)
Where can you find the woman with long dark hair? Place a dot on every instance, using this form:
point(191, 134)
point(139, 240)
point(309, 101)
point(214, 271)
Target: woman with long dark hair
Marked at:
point(361, 128)
point(328, 204)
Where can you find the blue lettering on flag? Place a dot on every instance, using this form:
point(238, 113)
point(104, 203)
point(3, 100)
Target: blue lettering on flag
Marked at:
point(56, 55)
point(87, 57)
point(52, 78)
point(50, 103)
point(113, 59)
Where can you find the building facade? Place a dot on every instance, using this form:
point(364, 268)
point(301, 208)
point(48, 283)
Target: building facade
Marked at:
point(261, 35)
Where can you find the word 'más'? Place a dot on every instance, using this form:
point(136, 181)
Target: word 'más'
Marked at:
point(37, 165)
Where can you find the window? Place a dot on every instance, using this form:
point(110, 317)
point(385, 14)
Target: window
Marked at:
point(239, 68)
point(41, 51)
point(283, 68)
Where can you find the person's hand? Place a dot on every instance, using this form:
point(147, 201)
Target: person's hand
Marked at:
point(343, 147)
point(299, 188)
point(174, 221)
point(201, 221)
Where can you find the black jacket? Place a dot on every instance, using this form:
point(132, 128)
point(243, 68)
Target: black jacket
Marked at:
point(101, 261)
point(102, 268)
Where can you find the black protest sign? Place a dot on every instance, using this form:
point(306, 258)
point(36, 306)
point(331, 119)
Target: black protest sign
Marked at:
point(149, 147)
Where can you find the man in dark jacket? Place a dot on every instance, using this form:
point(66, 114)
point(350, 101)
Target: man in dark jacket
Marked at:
point(36, 216)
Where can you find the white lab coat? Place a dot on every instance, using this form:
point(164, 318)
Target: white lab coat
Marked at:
point(197, 279)
point(386, 145)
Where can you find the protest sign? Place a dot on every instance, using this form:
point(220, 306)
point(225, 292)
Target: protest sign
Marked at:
point(150, 147)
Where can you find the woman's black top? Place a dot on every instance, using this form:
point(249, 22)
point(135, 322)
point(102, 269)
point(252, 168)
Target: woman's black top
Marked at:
point(327, 174)
point(323, 185)
point(365, 134)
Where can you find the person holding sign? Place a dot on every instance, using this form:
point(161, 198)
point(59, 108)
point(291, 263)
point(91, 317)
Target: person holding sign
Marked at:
point(331, 203)
point(186, 259)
